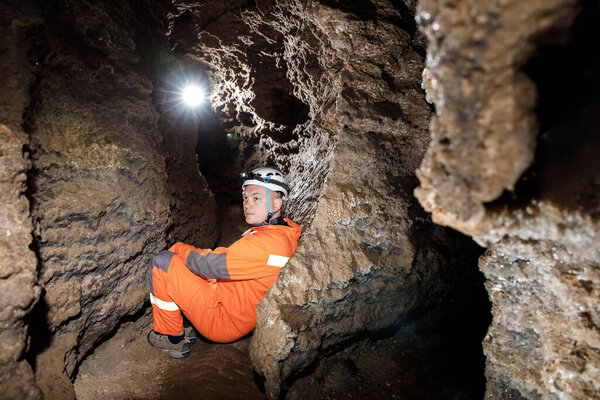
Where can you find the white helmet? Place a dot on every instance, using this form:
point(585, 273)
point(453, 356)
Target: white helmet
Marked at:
point(271, 178)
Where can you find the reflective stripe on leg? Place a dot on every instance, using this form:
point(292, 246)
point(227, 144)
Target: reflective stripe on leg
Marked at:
point(163, 305)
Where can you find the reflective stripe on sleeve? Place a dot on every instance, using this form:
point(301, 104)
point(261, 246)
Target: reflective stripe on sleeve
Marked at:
point(163, 305)
point(277, 261)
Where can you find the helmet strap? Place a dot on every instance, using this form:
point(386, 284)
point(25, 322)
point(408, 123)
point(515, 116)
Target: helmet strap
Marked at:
point(269, 213)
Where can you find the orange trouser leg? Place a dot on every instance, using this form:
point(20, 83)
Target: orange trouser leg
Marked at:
point(166, 315)
point(197, 297)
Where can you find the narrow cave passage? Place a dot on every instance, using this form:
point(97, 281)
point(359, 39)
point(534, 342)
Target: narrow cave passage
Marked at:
point(378, 301)
point(423, 355)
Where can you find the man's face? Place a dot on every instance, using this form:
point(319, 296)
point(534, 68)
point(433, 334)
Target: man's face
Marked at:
point(255, 204)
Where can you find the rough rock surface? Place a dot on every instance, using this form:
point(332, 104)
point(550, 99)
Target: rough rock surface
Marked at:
point(268, 119)
point(369, 255)
point(495, 90)
point(18, 288)
point(365, 262)
point(193, 207)
point(104, 199)
point(330, 91)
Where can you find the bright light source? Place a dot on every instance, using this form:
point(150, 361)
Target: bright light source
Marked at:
point(193, 95)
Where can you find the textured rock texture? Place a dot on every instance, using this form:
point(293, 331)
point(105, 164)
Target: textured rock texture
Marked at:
point(112, 181)
point(18, 281)
point(193, 207)
point(492, 73)
point(369, 256)
point(268, 119)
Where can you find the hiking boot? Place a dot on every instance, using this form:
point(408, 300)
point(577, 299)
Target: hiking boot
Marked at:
point(162, 342)
point(190, 334)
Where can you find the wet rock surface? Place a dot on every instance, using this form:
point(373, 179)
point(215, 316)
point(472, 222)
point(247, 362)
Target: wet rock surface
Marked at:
point(489, 77)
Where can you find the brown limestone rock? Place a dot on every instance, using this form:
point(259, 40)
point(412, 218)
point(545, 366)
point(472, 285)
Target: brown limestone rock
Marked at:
point(368, 252)
point(542, 234)
point(351, 163)
point(100, 208)
point(104, 201)
point(18, 281)
point(18, 288)
point(484, 128)
point(544, 339)
point(543, 279)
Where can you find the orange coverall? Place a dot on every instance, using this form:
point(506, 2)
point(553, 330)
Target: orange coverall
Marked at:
point(218, 290)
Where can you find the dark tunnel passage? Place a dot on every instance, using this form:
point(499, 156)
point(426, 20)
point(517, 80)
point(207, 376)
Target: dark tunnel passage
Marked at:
point(361, 104)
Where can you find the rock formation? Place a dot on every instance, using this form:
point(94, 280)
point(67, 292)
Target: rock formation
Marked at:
point(497, 93)
point(364, 107)
point(19, 290)
point(369, 253)
point(112, 181)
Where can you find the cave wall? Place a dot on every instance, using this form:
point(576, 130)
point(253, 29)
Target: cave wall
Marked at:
point(510, 164)
point(369, 255)
point(331, 93)
point(19, 290)
point(271, 121)
point(113, 177)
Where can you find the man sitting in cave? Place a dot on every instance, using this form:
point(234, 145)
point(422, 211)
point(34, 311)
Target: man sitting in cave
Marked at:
point(218, 290)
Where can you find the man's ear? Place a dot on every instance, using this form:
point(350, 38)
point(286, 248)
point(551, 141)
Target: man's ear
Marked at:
point(278, 203)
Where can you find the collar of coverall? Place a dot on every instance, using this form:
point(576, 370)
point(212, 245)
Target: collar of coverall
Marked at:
point(278, 221)
point(274, 221)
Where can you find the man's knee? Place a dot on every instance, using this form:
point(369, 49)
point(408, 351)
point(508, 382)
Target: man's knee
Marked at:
point(162, 261)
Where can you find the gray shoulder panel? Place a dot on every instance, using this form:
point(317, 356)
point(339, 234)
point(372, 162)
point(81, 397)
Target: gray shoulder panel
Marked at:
point(211, 266)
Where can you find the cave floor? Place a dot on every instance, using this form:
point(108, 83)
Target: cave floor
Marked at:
point(415, 362)
point(126, 367)
point(397, 367)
